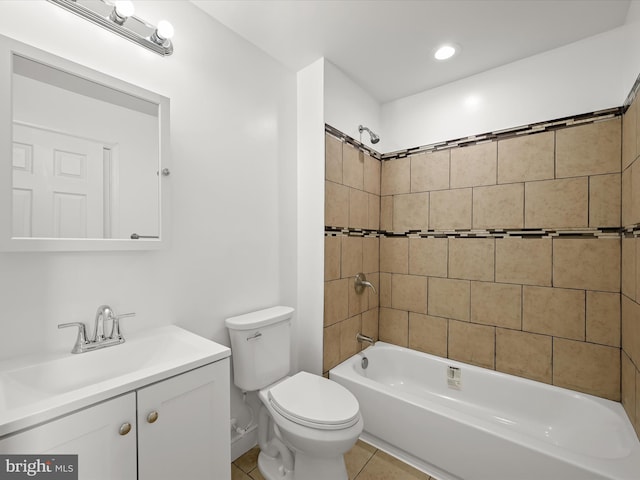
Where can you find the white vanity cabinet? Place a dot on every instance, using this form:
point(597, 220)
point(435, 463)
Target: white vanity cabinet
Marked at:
point(179, 428)
point(183, 426)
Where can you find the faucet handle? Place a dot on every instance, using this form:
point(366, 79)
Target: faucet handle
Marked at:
point(81, 340)
point(115, 330)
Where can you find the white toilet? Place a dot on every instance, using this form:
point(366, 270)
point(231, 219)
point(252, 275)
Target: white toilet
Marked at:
point(307, 422)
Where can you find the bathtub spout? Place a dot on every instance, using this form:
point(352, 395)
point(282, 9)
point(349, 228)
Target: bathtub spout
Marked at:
point(364, 339)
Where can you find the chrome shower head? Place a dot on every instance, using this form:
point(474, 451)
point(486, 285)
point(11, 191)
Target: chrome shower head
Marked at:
point(374, 138)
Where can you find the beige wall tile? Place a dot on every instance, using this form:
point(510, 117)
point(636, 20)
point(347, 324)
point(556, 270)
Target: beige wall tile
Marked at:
point(351, 256)
point(626, 197)
point(394, 255)
point(358, 302)
point(358, 209)
point(498, 304)
point(634, 210)
point(526, 158)
point(386, 213)
point(631, 329)
point(628, 265)
point(554, 311)
point(449, 298)
point(396, 176)
point(592, 264)
point(348, 330)
point(331, 347)
point(603, 318)
point(336, 301)
point(370, 323)
point(629, 133)
point(371, 254)
point(471, 258)
point(336, 205)
point(428, 334)
point(409, 292)
point(586, 367)
point(374, 278)
point(371, 174)
point(628, 387)
point(411, 212)
point(450, 209)
point(394, 326)
point(471, 343)
point(637, 423)
point(524, 354)
point(637, 292)
point(588, 149)
point(385, 290)
point(430, 171)
point(352, 167)
point(428, 256)
point(373, 222)
point(524, 260)
point(604, 200)
point(474, 165)
point(333, 158)
point(332, 249)
point(557, 203)
point(498, 206)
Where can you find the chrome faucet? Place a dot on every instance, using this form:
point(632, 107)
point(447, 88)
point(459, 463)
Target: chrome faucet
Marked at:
point(364, 339)
point(360, 282)
point(98, 340)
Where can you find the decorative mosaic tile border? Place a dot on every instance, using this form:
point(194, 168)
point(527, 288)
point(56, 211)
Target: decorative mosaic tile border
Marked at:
point(491, 233)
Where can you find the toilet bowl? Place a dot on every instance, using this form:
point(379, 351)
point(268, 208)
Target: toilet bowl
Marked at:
point(307, 422)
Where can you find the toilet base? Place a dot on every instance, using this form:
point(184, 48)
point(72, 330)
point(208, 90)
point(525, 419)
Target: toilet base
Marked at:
point(306, 468)
point(271, 468)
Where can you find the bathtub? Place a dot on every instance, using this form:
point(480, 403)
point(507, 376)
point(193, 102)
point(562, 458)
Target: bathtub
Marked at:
point(456, 421)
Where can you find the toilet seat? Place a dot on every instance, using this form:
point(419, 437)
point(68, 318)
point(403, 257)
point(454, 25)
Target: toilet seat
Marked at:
point(314, 401)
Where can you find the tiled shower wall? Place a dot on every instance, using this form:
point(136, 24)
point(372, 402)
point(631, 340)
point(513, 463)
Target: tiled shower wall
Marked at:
point(352, 204)
point(503, 254)
point(506, 255)
point(631, 263)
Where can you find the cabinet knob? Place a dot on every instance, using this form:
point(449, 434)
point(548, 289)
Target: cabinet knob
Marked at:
point(152, 417)
point(124, 428)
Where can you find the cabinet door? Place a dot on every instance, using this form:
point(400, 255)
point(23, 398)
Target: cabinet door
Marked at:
point(93, 434)
point(190, 436)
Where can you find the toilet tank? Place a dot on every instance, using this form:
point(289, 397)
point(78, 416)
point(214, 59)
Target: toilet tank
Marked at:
point(260, 347)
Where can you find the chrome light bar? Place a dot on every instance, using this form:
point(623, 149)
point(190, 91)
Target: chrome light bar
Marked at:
point(118, 17)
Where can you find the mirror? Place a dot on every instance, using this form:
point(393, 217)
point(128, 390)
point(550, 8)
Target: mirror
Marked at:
point(86, 157)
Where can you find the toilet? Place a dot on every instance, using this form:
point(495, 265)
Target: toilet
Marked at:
point(306, 422)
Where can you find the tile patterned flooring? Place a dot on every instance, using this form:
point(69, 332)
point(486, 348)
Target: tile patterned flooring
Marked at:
point(364, 462)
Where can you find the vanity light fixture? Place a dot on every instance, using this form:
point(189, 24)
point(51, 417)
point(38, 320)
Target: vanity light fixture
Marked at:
point(119, 17)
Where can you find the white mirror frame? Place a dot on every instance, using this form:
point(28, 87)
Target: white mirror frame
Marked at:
point(9, 47)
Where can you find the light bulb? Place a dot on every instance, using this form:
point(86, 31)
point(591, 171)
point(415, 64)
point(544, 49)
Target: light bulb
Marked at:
point(164, 30)
point(125, 8)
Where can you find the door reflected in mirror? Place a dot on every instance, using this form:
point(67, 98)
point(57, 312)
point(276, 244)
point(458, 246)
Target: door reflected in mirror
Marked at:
point(86, 157)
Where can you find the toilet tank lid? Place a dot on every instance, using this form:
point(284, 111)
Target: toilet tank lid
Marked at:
point(259, 319)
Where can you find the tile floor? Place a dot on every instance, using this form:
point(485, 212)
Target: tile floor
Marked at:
point(364, 462)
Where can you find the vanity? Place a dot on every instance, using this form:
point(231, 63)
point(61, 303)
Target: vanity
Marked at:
point(155, 407)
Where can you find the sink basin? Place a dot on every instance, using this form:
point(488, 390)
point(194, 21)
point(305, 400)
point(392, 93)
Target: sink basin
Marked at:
point(40, 390)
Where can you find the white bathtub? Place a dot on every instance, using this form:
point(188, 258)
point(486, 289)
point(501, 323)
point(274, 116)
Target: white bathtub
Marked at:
point(494, 427)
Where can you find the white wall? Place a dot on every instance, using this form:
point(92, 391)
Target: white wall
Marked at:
point(311, 117)
point(232, 127)
point(585, 76)
point(347, 105)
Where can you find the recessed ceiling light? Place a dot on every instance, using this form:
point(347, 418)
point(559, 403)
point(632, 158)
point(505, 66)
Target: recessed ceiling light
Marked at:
point(444, 52)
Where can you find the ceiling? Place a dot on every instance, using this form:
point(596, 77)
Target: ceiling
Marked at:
point(386, 46)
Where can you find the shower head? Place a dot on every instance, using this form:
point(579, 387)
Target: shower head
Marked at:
point(374, 138)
